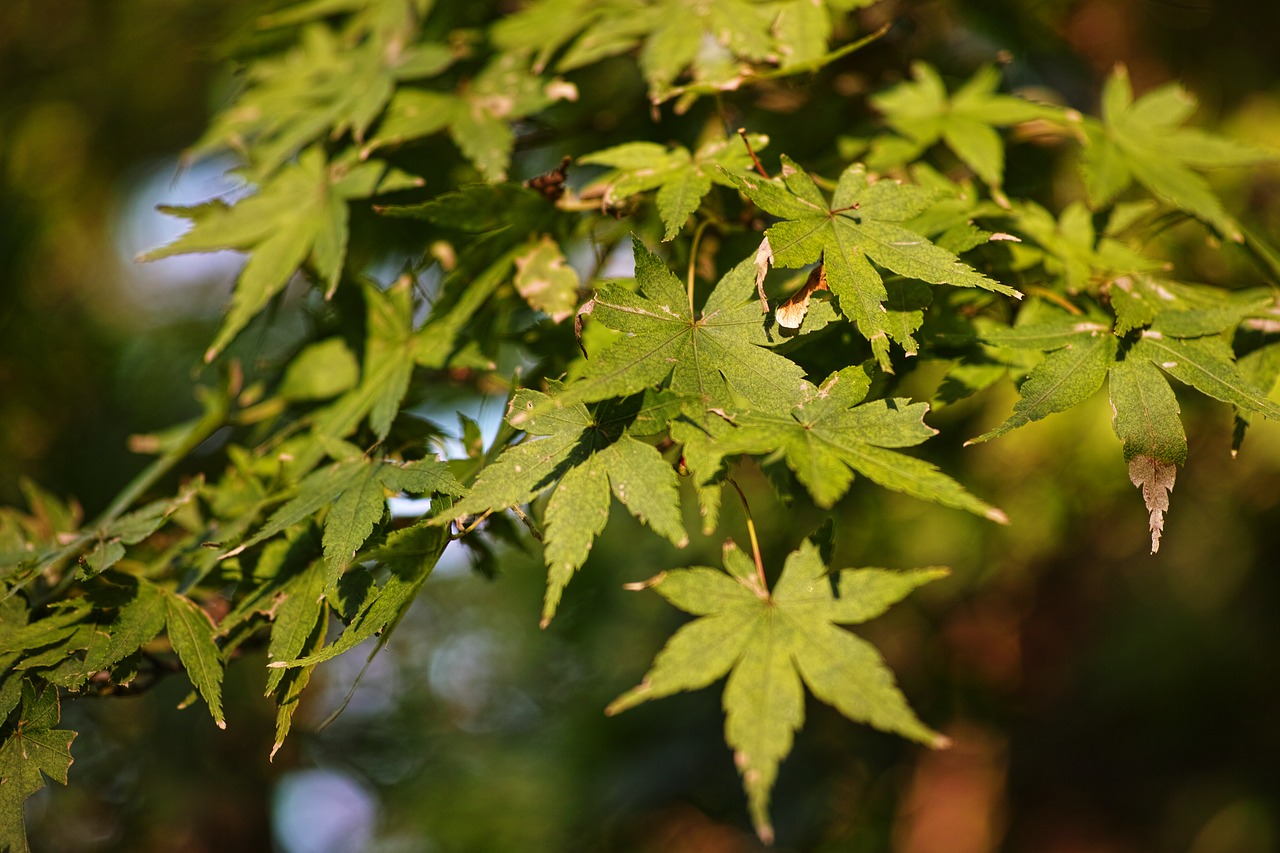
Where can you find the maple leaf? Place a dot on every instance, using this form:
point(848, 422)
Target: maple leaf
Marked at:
point(1155, 479)
point(771, 643)
point(32, 750)
point(682, 179)
point(1080, 352)
point(355, 491)
point(664, 343)
point(478, 117)
point(966, 121)
point(717, 44)
point(389, 353)
point(407, 556)
point(1142, 140)
point(1072, 249)
point(191, 632)
point(586, 455)
point(299, 213)
point(834, 433)
point(861, 225)
point(1181, 309)
point(326, 85)
point(1182, 341)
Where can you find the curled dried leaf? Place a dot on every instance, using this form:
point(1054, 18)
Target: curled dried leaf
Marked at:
point(791, 314)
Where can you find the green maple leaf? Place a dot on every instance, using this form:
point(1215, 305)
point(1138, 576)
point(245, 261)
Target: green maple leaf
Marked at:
point(834, 433)
point(716, 44)
point(355, 491)
point(770, 643)
point(966, 121)
point(587, 455)
point(297, 630)
point(327, 85)
point(391, 349)
point(803, 30)
point(1072, 249)
point(140, 614)
point(1181, 309)
point(1142, 140)
point(681, 178)
point(407, 556)
point(1080, 352)
point(1182, 341)
point(298, 214)
point(859, 229)
point(478, 117)
point(320, 371)
point(1184, 344)
point(191, 633)
point(31, 750)
point(664, 343)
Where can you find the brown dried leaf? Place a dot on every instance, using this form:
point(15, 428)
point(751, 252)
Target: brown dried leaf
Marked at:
point(1155, 479)
point(791, 313)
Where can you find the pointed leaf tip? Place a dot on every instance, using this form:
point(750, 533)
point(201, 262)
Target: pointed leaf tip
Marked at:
point(640, 586)
point(1155, 479)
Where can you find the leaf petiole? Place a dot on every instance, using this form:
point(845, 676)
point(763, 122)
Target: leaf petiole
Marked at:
point(751, 532)
point(693, 259)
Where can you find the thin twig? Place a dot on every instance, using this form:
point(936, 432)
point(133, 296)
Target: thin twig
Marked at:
point(742, 131)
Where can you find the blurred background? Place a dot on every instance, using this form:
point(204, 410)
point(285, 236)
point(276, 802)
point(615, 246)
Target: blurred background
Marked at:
point(1102, 700)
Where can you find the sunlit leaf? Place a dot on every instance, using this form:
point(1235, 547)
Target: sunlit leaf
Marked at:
point(769, 643)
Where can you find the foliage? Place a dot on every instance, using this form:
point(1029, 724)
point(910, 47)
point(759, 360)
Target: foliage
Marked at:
point(920, 245)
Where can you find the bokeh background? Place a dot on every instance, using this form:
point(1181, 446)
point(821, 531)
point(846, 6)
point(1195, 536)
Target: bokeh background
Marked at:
point(1102, 700)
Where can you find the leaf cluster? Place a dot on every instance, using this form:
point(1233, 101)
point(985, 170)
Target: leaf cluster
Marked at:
point(399, 167)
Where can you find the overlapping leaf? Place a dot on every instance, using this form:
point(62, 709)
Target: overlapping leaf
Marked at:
point(1144, 140)
point(478, 116)
point(328, 84)
point(1071, 250)
point(408, 556)
point(966, 121)
point(297, 215)
point(1184, 344)
point(834, 433)
point(1080, 354)
point(716, 44)
point(586, 455)
point(663, 343)
point(859, 226)
point(681, 178)
point(391, 350)
point(770, 643)
point(31, 750)
point(354, 491)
